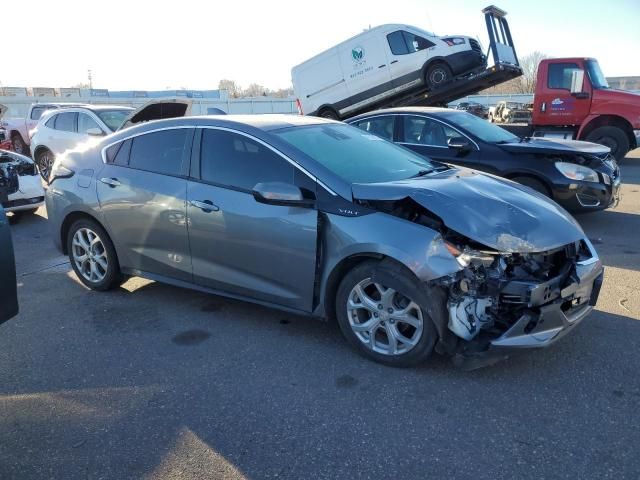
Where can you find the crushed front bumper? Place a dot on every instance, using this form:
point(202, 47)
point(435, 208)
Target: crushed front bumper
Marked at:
point(552, 313)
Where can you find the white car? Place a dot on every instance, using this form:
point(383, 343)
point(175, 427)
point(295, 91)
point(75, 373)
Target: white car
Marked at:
point(380, 64)
point(62, 129)
point(19, 179)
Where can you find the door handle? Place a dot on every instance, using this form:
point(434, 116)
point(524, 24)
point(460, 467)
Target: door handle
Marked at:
point(206, 206)
point(382, 66)
point(395, 61)
point(112, 182)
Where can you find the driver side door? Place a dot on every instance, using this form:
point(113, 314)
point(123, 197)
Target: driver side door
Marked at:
point(239, 245)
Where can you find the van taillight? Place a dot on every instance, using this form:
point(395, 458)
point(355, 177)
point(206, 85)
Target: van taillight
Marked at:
point(299, 105)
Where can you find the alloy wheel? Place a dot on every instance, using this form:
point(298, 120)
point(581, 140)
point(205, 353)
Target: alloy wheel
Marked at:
point(45, 162)
point(384, 320)
point(89, 255)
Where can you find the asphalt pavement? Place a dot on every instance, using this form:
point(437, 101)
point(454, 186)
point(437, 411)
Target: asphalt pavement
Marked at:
point(157, 382)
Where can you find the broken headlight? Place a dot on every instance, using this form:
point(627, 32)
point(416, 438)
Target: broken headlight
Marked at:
point(577, 172)
point(468, 256)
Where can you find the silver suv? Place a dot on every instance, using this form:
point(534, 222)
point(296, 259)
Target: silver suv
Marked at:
point(320, 218)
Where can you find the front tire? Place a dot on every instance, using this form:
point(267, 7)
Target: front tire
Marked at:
point(385, 320)
point(44, 160)
point(613, 137)
point(535, 184)
point(438, 75)
point(329, 113)
point(92, 256)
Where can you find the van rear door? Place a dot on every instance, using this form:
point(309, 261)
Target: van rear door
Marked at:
point(366, 70)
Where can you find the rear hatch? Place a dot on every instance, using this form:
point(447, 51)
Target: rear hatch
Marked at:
point(158, 110)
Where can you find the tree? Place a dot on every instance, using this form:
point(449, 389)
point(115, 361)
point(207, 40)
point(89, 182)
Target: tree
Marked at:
point(255, 90)
point(529, 64)
point(230, 86)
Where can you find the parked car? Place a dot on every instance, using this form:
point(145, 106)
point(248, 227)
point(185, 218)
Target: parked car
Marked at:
point(20, 182)
point(509, 112)
point(8, 287)
point(59, 131)
point(580, 176)
point(474, 108)
point(62, 129)
point(317, 217)
point(17, 129)
point(381, 63)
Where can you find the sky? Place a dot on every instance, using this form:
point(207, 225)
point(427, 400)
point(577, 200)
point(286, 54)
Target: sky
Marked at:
point(149, 45)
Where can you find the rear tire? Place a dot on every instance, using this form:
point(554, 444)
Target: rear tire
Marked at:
point(18, 145)
point(535, 184)
point(438, 75)
point(613, 137)
point(329, 113)
point(385, 322)
point(44, 160)
point(93, 256)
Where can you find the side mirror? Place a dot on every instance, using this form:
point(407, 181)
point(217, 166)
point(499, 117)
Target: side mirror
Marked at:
point(95, 132)
point(280, 193)
point(577, 80)
point(459, 143)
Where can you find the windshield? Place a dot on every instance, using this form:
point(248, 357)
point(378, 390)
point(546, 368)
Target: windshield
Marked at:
point(595, 75)
point(354, 155)
point(113, 118)
point(485, 131)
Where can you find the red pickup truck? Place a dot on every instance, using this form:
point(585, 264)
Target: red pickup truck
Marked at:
point(573, 100)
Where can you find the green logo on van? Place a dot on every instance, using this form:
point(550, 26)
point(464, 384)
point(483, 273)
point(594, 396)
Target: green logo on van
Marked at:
point(357, 54)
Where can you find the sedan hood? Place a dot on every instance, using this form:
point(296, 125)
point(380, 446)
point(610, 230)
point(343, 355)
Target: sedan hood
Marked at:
point(493, 211)
point(158, 110)
point(551, 146)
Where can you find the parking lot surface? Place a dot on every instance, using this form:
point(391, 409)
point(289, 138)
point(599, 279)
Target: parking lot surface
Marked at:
point(153, 381)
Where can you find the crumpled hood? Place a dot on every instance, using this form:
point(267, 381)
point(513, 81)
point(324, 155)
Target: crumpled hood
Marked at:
point(490, 210)
point(545, 145)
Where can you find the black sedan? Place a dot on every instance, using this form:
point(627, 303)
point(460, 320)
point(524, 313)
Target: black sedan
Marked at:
point(580, 176)
point(477, 109)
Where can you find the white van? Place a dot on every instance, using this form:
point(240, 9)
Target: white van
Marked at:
point(379, 64)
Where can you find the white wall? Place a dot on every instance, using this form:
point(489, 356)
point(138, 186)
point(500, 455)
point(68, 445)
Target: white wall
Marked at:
point(18, 106)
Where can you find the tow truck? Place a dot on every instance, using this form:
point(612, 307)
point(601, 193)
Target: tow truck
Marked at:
point(573, 101)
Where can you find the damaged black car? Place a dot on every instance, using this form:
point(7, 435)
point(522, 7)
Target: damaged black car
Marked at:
point(320, 218)
point(580, 176)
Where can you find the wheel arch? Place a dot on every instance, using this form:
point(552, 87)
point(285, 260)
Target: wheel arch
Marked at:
point(73, 217)
point(609, 121)
point(325, 107)
point(342, 268)
point(534, 176)
point(39, 149)
point(433, 61)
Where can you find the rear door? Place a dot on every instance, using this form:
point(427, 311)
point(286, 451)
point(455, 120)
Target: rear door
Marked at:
point(142, 193)
point(429, 137)
point(64, 134)
point(241, 246)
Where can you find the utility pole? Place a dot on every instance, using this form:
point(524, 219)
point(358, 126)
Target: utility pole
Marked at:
point(90, 75)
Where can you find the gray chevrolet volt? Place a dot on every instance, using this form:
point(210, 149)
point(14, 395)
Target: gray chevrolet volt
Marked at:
point(320, 218)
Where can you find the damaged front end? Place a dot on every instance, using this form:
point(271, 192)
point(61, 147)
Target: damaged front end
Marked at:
point(522, 272)
point(502, 301)
point(17, 172)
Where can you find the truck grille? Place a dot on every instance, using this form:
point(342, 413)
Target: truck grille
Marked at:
point(475, 46)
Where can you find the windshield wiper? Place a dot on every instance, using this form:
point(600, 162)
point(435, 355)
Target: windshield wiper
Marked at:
point(421, 173)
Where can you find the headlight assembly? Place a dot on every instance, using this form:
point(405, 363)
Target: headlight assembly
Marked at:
point(577, 172)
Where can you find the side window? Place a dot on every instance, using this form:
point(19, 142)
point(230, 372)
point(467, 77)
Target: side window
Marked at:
point(85, 122)
point(66, 122)
point(397, 44)
point(380, 126)
point(160, 152)
point(51, 122)
point(37, 112)
point(559, 75)
point(118, 154)
point(423, 131)
point(234, 160)
point(415, 43)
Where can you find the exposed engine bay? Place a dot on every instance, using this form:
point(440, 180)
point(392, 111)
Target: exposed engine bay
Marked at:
point(13, 166)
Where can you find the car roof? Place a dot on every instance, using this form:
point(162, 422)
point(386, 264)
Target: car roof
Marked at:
point(405, 110)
